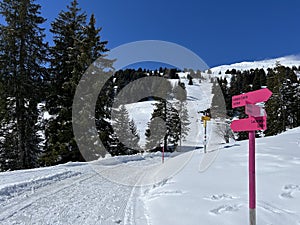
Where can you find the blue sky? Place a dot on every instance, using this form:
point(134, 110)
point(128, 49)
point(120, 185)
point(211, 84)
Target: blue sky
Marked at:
point(220, 32)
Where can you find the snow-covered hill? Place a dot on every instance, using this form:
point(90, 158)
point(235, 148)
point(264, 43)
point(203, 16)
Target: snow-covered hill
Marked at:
point(219, 195)
point(288, 61)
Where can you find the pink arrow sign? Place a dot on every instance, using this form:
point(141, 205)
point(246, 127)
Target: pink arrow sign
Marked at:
point(255, 110)
point(249, 124)
point(252, 97)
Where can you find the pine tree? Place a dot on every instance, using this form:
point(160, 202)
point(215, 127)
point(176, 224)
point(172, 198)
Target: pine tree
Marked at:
point(155, 133)
point(135, 136)
point(259, 79)
point(2, 98)
point(256, 84)
point(184, 122)
point(76, 45)
point(263, 77)
point(218, 105)
point(190, 80)
point(125, 133)
point(164, 127)
point(22, 58)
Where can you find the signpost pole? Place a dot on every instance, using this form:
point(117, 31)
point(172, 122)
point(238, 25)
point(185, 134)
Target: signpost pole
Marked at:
point(252, 197)
point(163, 155)
point(205, 119)
point(205, 135)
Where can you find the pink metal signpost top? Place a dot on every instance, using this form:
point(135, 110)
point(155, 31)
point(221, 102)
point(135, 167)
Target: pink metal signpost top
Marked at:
point(249, 124)
point(252, 97)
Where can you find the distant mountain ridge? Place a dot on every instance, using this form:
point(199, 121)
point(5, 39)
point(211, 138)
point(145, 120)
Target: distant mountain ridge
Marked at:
point(289, 61)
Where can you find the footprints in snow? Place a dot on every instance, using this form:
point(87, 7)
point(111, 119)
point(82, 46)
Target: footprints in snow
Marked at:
point(220, 197)
point(225, 208)
point(289, 190)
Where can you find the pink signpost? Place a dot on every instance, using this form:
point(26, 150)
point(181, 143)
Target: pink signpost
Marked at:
point(163, 155)
point(257, 121)
point(252, 97)
point(249, 124)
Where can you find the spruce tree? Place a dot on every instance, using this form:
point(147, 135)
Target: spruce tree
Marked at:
point(22, 58)
point(155, 133)
point(259, 79)
point(76, 45)
point(256, 84)
point(135, 136)
point(125, 133)
point(164, 127)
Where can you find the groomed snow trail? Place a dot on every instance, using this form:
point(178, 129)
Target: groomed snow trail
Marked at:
point(85, 198)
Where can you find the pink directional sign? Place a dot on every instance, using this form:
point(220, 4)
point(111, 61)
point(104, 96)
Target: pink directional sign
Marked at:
point(255, 110)
point(252, 97)
point(249, 124)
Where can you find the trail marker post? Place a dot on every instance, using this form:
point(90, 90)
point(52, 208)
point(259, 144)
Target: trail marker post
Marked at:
point(163, 155)
point(257, 120)
point(205, 119)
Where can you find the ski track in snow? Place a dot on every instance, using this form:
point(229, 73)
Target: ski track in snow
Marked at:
point(82, 197)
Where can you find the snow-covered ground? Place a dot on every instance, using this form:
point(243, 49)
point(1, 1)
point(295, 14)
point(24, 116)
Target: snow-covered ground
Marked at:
point(189, 188)
point(288, 61)
point(219, 195)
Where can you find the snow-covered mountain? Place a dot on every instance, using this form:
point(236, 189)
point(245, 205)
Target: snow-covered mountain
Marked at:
point(288, 61)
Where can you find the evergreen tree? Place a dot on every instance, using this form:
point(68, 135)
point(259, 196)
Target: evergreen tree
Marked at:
point(172, 74)
point(263, 77)
point(155, 134)
point(283, 106)
point(76, 45)
point(218, 105)
point(259, 79)
point(184, 122)
point(2, 98)
point(190, 80)
point(125, 133)
point(166, 129)
point(23, 54)
point(135, 136)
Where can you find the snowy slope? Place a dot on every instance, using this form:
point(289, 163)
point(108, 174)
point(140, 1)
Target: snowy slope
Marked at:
point(220, 194)
point(288, 61)
point(198, 98)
